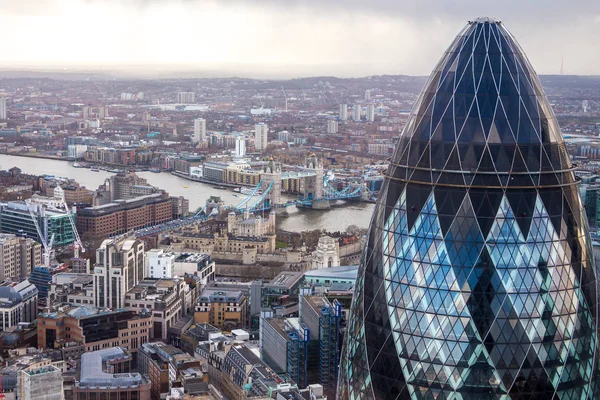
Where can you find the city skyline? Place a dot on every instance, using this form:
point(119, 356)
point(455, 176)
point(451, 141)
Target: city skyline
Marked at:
point(265, 39)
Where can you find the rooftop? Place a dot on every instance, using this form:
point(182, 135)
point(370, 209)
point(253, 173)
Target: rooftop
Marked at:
point(221, 296)
point(286, 279)
point(93, 375)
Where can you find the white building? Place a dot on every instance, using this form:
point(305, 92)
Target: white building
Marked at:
point(332, 126)
point(327, 254)
point(186, 97)
point(119, 266)
point(86, 112)
point(199, 264)
point(356, 109)
point(18, 303)
point(240, 146)
point(166, 265)
point(199, 130)
point(260, 136)
point(160, 265)
point(586, 106)
point(2, 107)
point(344, 112)
point(77, 150)
point(196, 172)
point(371, 112)
point(367, 95)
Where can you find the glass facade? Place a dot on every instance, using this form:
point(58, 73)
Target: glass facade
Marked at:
point(478, 280)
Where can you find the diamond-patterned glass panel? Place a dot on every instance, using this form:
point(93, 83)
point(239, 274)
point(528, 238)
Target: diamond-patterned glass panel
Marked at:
point(478, 280)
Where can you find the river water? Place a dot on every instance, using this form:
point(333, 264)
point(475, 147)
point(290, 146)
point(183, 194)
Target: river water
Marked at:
point(336, 219)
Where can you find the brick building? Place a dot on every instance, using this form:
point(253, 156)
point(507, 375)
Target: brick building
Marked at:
point(124, 215)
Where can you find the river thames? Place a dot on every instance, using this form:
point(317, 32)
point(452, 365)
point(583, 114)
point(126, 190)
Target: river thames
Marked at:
point(336, 219)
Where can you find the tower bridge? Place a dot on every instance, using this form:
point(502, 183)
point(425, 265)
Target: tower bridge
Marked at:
point(316, 191)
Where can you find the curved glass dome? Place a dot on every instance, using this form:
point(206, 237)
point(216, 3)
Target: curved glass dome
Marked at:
point(478, 280)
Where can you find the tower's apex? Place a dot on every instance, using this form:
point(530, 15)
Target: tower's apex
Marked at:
point(484, 20)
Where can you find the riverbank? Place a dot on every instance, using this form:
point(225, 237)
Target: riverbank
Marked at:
point(38, 155)
point(206, 181)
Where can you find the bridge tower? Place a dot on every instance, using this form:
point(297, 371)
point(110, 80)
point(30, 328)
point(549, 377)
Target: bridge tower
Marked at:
point(313, 186)
point(272, 173)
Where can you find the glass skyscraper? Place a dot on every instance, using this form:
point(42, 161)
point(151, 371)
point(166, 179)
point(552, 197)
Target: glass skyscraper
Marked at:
point(478, 280)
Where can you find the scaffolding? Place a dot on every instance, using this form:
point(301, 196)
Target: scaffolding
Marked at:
point(297, 355)
point(329, 345)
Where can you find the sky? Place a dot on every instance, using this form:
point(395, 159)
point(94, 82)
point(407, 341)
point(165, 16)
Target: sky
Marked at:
point(285, 38)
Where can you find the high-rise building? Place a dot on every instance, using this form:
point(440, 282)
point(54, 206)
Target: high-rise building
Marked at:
point(119, 267)
point(199, 130)
point(16, 218)
point(240, 146)
point(367, 95)
point(260, 136)
point(371, 112)
point(478, 280)
point(585, 105)
point(332, 126)
point(186, 97)
point(18, 256)
point(86, 112)
point(356, 109)
point(102, 112)
point(343, 112)
point(2, 107)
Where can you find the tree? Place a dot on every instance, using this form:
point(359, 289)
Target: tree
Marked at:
point(355, 230)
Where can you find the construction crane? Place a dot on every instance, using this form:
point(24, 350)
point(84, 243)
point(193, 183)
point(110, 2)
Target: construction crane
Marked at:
point(77, 243)
point(47, 255)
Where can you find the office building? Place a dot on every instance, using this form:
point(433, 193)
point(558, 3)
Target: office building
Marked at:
point(199, 130)
point(18, 256)
point(167, 299)
point(332, 126)
point(260, 136)
point(121, 216)
point(166, 265)
point(308, 347)
point(41, 277)
point(71, 288)
point(240, 147)
point(159, 363)
point(186, 97)
point(106, 374)
point(371, 112)
point(478, 280)
point(18, 303)
point(119, 267)
point(93, 328)
point(2, 107)
point(343, 112)
point(16, 218)
point(40, 383)
point(224, 309)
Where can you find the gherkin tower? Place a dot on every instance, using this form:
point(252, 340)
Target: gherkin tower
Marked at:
point(478, 280)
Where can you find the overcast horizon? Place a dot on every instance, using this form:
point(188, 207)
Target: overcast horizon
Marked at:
point(270, 39)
